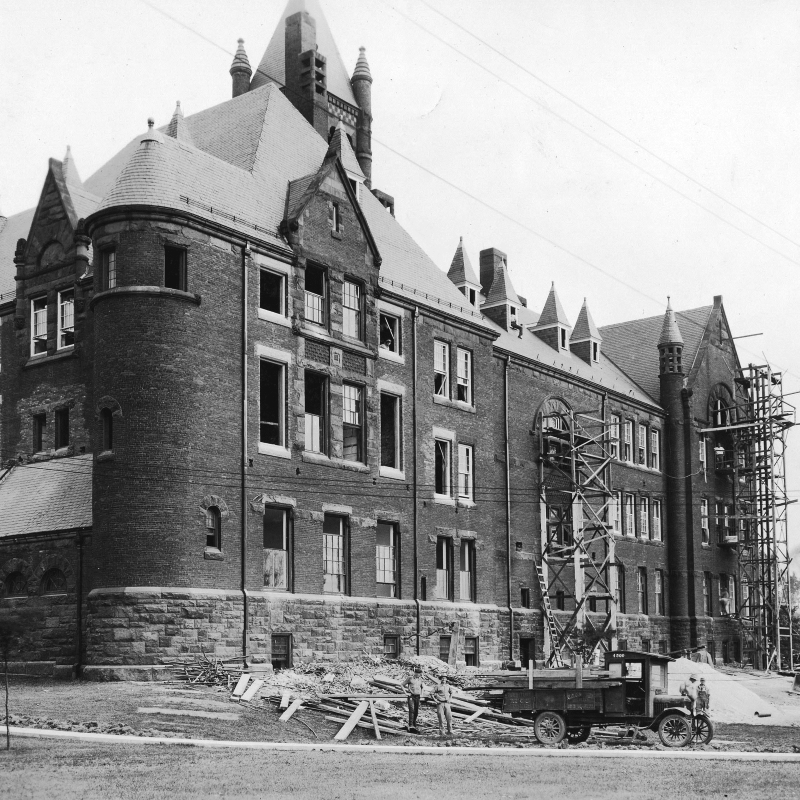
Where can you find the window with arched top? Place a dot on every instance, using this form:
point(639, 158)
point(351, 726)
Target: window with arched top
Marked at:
point(53, 582)
point(107, 424)
point(214, 527)
point(15, 585)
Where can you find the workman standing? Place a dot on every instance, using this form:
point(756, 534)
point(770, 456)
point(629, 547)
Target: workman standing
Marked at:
point(703, 697)
point(442, 695)
point(689, 689)
point(414, 684)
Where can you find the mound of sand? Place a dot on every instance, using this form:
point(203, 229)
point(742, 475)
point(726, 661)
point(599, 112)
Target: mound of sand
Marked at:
point(731, 700)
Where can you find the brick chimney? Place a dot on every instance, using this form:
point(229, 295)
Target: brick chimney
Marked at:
point(306, 71)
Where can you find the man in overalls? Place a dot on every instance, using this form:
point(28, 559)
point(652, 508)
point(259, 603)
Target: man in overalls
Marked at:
point(414, 684)
point(442, 694)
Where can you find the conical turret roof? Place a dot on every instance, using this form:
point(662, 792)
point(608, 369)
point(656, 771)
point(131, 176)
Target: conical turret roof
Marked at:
point(584, 326)
point(461, 270)
point(361, 72)
point(553, 312)
point(670, 332)
point(502, 289)
point(241, 63)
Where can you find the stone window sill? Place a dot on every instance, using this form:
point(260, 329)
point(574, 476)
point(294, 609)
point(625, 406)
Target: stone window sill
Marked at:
point(49, 358)
point(336, 234)
point(444, 500)
point(391, 472)
point(446, 401)
point(276, 450)
point(397, 358)
point(106, 455)
point(271, 316)
point(464, 502)
point(213, 554)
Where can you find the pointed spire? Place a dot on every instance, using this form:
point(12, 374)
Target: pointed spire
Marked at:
point(502, 289)
point(670, 332)
point(361, 72)
point(461, 270)
point(584, 326)
point(69, 170)
point(553, 312)
point(177, 128)
point(241, 63)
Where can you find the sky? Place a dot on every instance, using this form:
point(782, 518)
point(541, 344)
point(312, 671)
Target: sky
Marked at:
point(626, 150)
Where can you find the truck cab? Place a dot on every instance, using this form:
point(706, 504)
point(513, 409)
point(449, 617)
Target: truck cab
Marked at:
point(642, 677)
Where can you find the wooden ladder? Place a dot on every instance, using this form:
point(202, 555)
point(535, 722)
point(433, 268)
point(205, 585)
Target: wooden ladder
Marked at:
point(555, 656)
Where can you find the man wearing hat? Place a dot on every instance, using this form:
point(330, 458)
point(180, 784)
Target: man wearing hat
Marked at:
point(689, 689)
point(414, 684)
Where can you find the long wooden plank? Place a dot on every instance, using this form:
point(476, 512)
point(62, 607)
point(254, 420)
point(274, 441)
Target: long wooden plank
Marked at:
point(285, 698)
point(475, 715)
point(352, 721)
point(374, 719)
point(251, 692)
point(345, 713)
point(241, 685)
point(296, 703)
point(368, 726)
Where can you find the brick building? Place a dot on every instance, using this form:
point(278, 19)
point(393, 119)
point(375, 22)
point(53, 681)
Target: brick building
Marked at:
point(282, 429)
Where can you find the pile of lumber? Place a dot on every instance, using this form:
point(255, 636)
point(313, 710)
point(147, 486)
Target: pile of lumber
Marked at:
point(206, 670)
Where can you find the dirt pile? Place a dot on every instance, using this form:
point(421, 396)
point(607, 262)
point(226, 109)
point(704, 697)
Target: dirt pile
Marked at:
point(731, 700)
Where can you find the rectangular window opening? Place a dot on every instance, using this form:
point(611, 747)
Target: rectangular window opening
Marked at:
point(276, 548)
point(386, 559)
point(641, 589)
point(175, 268)
point(444, 567)
point(441, 369)
point(465, 470)
point(271, 403)
point(464, 376)
point(66, 319)
point(38, 326)
point(353, 423)
point(390, 431)
point(444, 648)
point(351, 310)
point(281, 651)
point(525, 597)
point(334, 554)
point(316, 404)
point(39, 424)
point(471, 651)
point(467, 577)
point(62, 428)
point(108, 269)
point(272, 292)
point(391, 647)
point(442, 467)
point(390, 333)
point(316, 295)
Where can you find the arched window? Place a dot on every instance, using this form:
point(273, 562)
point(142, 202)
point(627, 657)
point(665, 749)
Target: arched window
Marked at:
point(107, 421)
point(214, 526)
point(54, 582)
point(16, 585)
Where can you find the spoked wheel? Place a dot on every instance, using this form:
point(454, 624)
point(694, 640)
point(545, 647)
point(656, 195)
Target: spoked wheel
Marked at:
point(578, 735)
point(702, 730)
point(674, 730)
point(550, 727)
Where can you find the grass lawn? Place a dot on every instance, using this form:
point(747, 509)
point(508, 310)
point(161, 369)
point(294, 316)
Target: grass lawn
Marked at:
point(65, 769)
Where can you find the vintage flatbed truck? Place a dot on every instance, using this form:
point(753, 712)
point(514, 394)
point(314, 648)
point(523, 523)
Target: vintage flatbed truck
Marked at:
point(632, 691)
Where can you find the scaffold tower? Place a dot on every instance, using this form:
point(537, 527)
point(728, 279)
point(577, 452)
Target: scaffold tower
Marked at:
point(578, 571)
point(749, 442)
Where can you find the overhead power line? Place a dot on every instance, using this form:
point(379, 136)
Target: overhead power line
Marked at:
point(609, 125)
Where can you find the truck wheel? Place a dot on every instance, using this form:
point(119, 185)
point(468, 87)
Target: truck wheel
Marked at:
point(674, 730)
point(702, 730)
point(550, 727)
point(578, 735)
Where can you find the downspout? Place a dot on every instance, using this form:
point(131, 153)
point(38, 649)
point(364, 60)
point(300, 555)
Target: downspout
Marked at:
point(415, 316)
point(243, 489)
point(79, 606)
point(508, 513)
point(686, 395)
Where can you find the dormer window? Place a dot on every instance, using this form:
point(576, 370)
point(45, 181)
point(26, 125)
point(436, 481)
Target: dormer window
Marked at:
point(563, 336)
point(472, 297)
point(513, 311)
point(595, 352)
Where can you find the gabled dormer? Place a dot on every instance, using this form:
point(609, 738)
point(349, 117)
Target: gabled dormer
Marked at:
point(341, 145)
point(502, 303)
point(585, 339)
point(553, 327)
point(463, 275)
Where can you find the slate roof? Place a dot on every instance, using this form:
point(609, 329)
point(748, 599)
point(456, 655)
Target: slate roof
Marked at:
point(584, 326)
point(605, 374)
point(633, 346)
point(47, 496)
point(273, 66)
point(502, 290)
point(16, 227)
point(461, 270)
point(553, 312)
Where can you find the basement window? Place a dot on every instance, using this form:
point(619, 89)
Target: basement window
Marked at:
point(471, 651)
point(175, 268)
point(391, 647)
point(281, 651)
point(444, 648)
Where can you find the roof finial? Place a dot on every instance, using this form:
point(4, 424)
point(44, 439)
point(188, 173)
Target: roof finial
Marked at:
point(150, 123)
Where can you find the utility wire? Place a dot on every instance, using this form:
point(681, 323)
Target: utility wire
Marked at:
point(595, 139)
point(609, 125)
point(463, 191)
